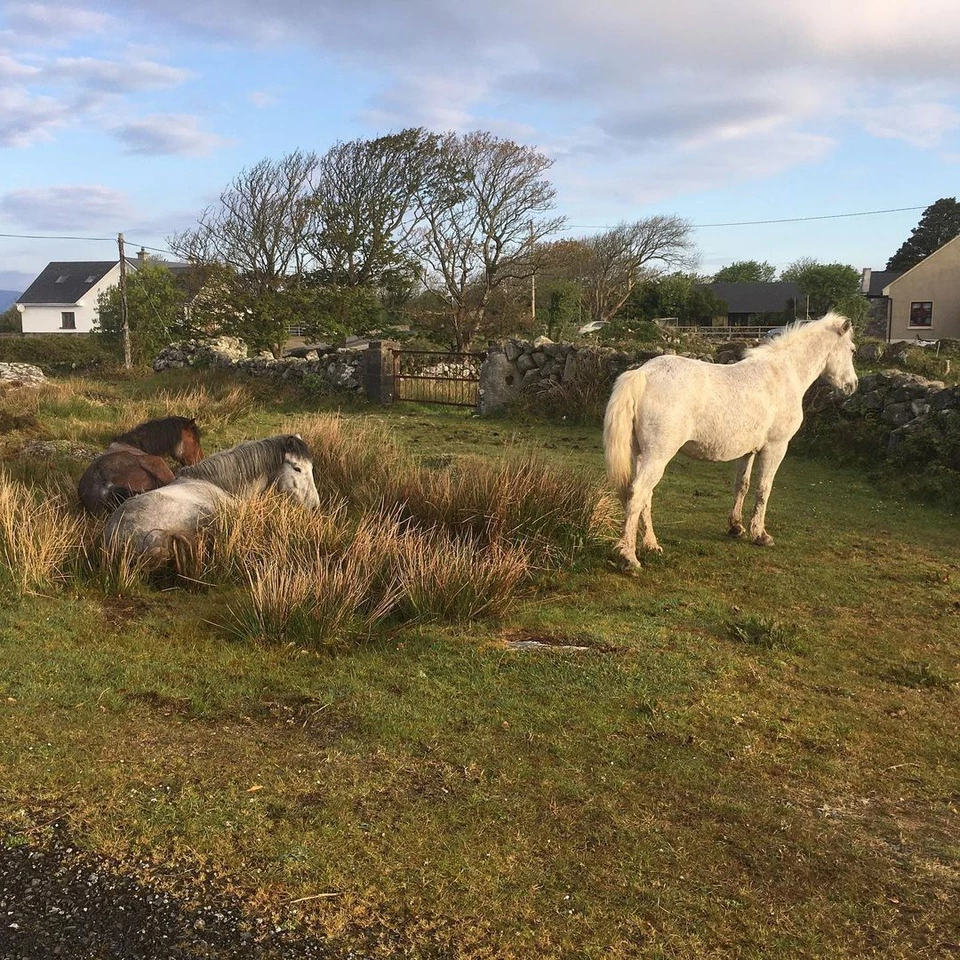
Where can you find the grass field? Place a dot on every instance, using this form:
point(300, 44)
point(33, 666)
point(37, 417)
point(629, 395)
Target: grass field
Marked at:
point(757, 755)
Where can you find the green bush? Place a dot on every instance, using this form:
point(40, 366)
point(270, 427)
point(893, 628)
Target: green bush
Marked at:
point(60, 353)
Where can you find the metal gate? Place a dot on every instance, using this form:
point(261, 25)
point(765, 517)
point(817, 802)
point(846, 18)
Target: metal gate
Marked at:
point(433, 376)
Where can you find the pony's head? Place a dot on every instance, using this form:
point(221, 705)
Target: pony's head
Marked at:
point(295, 477)
point(188, 451)
point(838, 370)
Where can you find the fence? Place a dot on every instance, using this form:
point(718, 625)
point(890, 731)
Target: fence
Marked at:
point(724, 333)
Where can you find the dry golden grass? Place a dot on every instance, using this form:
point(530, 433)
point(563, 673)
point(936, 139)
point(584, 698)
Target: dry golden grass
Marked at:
point(519, 499)
point(40, 536)
point(457, 579)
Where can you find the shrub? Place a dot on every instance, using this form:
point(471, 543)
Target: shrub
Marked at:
point(60, 353)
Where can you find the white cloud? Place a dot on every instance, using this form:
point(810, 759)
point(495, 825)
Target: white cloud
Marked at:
point(53, 24)
point(67, 207)
point(162, 133)
point(26, 119)
point(11, 69)
point(115, 76)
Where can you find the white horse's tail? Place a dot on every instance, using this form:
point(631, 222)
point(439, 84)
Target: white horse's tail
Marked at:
point(618, 429)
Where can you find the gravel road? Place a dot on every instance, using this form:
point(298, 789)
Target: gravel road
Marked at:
point(56, 901)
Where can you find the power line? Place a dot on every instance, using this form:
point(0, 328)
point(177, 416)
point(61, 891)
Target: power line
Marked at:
point(47, 236)
point(751, 223)
point(50, 236)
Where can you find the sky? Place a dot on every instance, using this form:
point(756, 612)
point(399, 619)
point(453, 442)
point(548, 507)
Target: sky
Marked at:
point(133, 116)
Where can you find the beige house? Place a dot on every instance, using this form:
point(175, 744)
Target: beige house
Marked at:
point(924, 302)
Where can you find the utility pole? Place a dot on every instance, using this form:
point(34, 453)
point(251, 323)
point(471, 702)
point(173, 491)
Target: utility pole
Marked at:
point(127, 359)
point(533, 281)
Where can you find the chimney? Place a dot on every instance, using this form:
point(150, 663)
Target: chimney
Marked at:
point(865, 281)
point(141, 256)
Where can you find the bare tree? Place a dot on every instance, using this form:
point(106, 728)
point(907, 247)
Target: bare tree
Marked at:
point(618, 258)
point(481, 226)
point(363, 201)
point(258, 226)
point(252, 244)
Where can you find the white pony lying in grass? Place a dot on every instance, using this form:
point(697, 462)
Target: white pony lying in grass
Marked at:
point(150, 527)
point(709, 411)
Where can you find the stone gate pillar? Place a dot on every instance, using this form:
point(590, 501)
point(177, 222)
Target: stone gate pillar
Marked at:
point(378, 371)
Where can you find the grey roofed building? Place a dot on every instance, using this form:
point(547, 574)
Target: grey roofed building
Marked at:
point(751, 297)
point(67, 281)
point(873, 281)
point(747, 299)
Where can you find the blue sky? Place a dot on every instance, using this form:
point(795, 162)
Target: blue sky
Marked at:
point(133, 116)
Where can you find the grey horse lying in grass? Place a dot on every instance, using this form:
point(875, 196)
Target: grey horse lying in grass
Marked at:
point(149, 528)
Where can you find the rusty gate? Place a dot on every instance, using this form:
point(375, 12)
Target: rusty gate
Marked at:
point(436, 376)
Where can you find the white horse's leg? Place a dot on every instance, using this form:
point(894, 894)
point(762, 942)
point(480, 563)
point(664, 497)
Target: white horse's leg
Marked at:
point(647, 475)
point(770, 458)
point(740, 487)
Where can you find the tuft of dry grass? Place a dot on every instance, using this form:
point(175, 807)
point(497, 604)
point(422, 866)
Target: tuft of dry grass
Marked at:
point(457, 579)
point(40, 536)
point(520, 499)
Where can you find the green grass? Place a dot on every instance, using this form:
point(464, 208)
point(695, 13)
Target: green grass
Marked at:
point(757, 758)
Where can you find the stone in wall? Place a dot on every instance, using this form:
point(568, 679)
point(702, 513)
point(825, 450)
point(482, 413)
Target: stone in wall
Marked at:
point(22, 374)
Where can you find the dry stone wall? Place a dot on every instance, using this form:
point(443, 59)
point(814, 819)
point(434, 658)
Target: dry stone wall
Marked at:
point(337, 368)
point(516, 366)
point(910, 406)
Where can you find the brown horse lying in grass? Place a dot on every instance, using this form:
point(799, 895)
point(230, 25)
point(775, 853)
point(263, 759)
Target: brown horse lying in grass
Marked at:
point(134, 462)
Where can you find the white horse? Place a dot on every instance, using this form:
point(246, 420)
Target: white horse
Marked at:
point(739, 411)
point(147, 528)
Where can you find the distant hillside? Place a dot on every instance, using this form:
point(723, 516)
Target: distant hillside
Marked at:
point(7, 299)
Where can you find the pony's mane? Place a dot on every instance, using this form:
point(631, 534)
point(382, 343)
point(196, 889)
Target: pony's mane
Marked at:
point(233, 469)
point(795, 332)
point(158, 436)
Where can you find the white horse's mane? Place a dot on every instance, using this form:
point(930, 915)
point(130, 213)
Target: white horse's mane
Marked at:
point(797, 331)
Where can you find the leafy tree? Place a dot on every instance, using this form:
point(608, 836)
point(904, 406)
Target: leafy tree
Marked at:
point(481, 225)
point(673, 295)
point(330, 312)
point(746, 271)
point(939, 223)
point(825, 285)
point(156, 312)
point(563, 308)
point(363, 197)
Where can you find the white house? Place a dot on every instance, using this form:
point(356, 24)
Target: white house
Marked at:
point(63, 299)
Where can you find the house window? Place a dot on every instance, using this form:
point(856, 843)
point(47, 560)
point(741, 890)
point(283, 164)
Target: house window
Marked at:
point(63, 278)
point(68, 321)
point(921, 313)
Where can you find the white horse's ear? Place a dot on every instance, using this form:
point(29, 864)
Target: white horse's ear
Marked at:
point(846, 326)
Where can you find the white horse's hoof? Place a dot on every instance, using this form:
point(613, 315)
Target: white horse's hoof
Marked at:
point(764, 540)
point(736, 530)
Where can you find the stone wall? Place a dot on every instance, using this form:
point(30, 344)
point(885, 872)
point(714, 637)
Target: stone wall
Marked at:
point(337, 368)
point(520, 365)
point(909, 405)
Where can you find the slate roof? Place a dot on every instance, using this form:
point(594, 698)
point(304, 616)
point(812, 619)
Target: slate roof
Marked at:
point(66, 281)
point(750, 297)
point(880, 278)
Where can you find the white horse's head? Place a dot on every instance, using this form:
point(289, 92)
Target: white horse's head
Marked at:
point(295, 477)
point(839, 371)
